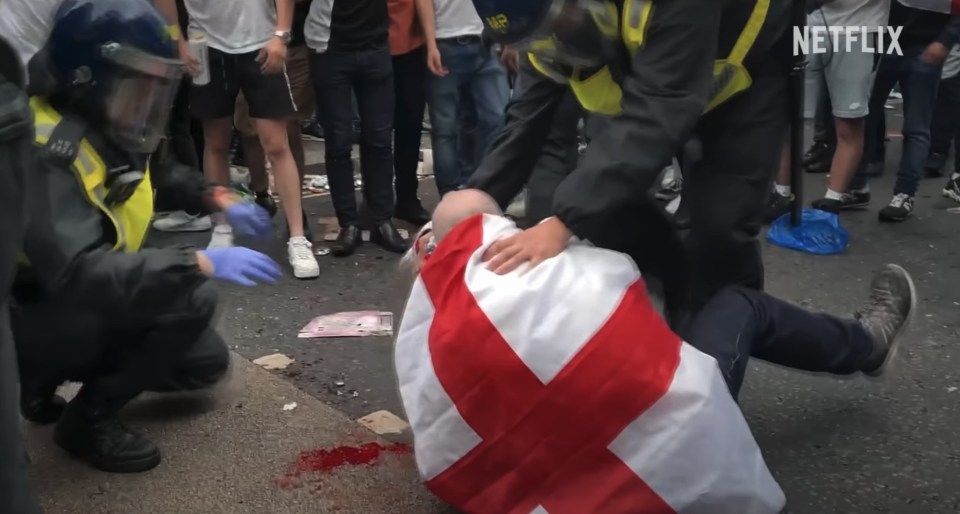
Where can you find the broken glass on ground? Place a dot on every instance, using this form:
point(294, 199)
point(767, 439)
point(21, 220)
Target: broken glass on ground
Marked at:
point(349, 324)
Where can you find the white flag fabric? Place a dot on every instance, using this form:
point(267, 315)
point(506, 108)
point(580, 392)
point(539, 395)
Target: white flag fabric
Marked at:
point(561, 390)
point(941, 6)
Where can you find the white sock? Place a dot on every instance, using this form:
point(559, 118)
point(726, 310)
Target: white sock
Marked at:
point(782, 190)
point(833, 195)
point(955, 176)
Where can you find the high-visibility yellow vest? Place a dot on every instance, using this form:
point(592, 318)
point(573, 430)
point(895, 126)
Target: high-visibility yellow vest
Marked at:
point(130, 219)
point(600, 93)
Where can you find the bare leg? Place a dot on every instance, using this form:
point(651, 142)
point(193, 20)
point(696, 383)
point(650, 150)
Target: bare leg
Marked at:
point(216, 139)
point(273, 138)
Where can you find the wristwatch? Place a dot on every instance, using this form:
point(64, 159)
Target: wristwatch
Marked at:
point(284, 36)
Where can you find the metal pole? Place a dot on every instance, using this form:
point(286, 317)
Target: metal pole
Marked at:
point(796, 117)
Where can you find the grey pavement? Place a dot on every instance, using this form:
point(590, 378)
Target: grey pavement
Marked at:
point(837, 446)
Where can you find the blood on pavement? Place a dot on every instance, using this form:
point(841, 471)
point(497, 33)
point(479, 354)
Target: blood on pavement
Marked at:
point(325, 461)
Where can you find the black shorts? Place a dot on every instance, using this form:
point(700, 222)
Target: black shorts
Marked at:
point(269, 96)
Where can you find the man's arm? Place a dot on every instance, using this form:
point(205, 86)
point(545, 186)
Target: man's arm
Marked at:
point(284, 15)
point(664, 96)
point(510, 160)
point(428, 22)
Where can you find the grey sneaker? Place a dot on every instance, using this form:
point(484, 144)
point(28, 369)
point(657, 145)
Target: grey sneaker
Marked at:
point(886, 314)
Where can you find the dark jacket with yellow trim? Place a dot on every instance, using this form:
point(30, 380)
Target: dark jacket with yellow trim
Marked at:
point(666, 88)
point(70, 246)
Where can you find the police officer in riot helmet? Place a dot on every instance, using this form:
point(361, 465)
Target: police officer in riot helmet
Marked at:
point(652, 74)
point(16, 145)
point(90, 304)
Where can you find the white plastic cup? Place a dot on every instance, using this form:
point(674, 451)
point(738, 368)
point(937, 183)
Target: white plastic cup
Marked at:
point(200, 52)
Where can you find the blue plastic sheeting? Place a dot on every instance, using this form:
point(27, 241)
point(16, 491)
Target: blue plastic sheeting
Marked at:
point(819, 233)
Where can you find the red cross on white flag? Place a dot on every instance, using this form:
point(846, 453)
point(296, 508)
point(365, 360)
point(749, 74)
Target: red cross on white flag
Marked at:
point(562, 391)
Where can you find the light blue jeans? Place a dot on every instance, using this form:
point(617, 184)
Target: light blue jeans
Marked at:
point(472, 66)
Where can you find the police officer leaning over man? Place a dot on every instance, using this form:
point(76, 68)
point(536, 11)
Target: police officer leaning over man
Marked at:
point(653, 73)
point(89, 303)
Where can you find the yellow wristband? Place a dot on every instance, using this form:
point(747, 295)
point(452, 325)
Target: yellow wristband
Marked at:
point(174, 32)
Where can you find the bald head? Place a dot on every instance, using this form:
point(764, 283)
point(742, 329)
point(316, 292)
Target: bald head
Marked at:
point(457, 206)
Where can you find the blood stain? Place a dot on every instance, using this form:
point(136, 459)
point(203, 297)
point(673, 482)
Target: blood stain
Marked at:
point(326, 461)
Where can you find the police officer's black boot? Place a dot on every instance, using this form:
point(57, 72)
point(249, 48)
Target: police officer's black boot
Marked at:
point(91, 431)
point(41, 404)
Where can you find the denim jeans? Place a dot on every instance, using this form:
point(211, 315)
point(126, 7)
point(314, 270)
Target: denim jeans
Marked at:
point(739, 323)
point(337, 75)
point(918, 84)
point(475, 66)
point(946, 120)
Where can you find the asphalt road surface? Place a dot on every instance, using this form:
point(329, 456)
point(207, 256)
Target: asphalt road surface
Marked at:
point(843, 446)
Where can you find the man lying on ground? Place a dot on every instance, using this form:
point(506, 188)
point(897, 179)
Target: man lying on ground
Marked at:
point(559, 388)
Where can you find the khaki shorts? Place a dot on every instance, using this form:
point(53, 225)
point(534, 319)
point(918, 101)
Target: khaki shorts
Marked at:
point(301, 88)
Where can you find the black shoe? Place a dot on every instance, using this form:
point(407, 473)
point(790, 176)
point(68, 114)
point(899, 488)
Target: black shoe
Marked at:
point(886, 314)
point(818, 158)
point(935, 164)
point(817, 152)
point(267, 202)
point(851, 200)
point(670, 190)
point(104, 442)
point(778, 206)
point(899, 209)
point(347, 242)
point(41, 405)
point(412, 212)
point(386, 235)
point(312, 131)
point(952, 189)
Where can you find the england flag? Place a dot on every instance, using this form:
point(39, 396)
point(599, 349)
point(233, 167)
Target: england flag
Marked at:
point(561, 390)
point(941, 6)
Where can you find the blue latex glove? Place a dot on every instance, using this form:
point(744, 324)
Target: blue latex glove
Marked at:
point(249, 219)
point(243, 266)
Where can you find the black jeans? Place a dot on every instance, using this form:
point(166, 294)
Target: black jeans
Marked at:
point(410, 92)
point(118, 359)
point(739, 323)
point(337, 75)
point(946, 120)
point(179, 147)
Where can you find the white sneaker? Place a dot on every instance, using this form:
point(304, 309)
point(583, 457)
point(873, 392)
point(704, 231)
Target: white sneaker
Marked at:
point(302, 260)
point(222, 237)
point(180, 221)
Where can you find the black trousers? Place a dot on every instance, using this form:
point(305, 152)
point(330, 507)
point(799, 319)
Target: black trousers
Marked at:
point(739, 323)
point(337, 75)
point(726, 190)
point(409, 87)
point(116, 360)
point(946, 120)
point(180, 146)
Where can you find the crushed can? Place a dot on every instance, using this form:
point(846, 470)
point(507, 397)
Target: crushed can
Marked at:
point(200, 52)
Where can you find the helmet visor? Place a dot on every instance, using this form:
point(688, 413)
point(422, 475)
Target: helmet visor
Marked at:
point(576, 33)
point(141, 97)
point(138, 108)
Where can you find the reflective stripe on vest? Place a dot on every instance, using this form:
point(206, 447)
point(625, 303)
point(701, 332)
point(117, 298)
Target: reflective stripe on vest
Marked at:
point(601, 94)
point(131, 219)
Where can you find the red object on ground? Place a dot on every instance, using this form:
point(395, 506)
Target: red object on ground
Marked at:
point(325, 461)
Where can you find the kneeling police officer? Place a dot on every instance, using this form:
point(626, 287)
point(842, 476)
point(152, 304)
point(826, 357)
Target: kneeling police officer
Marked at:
point(90, 304)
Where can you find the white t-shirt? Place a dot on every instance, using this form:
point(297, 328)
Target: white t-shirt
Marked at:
point(851, 13)
point(233, 26)
point(26, 24)
point(456, 18)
